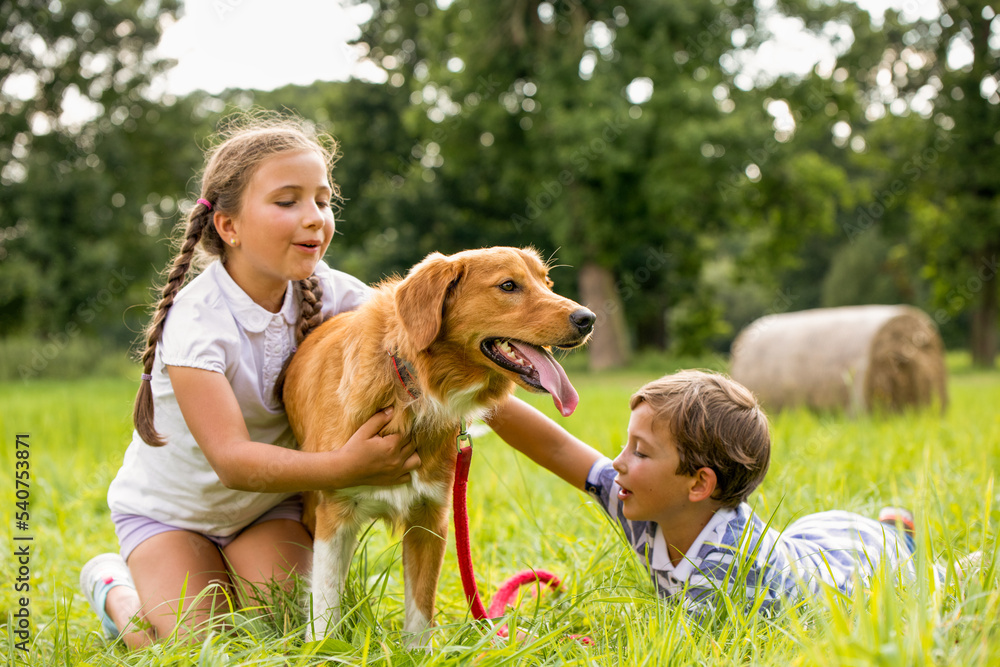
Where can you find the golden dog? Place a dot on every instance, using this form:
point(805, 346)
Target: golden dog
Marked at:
point(448, 342)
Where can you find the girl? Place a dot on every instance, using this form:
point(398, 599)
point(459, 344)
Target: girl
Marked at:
point(207, 491)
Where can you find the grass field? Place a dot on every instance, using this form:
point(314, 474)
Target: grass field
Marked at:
point(943, 468)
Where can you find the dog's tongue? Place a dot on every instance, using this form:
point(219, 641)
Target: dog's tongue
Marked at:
point(552, 376)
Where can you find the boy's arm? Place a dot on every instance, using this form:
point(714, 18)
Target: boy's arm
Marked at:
point(543, 441)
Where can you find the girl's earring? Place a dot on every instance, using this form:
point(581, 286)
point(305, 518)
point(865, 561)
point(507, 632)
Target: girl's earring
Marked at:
point(233, 241)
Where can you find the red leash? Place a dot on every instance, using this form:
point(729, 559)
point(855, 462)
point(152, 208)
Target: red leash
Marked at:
point(462, 547)
point(508, 591)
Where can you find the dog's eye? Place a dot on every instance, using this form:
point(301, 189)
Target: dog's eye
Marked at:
point(508, 286)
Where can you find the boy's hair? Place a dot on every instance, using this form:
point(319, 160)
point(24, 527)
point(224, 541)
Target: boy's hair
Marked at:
point(243, 143)
point(716, 423)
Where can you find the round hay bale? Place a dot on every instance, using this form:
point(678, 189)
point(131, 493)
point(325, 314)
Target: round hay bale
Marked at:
point(855, 358)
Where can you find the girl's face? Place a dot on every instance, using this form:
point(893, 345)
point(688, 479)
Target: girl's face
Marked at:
point(283, 228)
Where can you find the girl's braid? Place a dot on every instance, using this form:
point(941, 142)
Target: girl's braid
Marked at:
point(142, 413)
point(310, 317)
point(310, 313)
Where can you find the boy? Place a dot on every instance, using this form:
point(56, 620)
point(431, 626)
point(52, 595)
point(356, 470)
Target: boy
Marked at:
point(698, 445)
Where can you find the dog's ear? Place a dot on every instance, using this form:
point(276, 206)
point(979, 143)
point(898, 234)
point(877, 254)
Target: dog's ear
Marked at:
point(420, 297)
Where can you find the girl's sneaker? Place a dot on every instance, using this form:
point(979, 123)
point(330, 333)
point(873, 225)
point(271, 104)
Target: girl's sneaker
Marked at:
point(98, 576)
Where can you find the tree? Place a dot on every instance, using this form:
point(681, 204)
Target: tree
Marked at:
point(79, 178)
point(925, 121)
point(957, 215)
point(608, 132)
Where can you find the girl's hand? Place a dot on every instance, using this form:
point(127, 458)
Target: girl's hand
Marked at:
point(213, 415)
point(380, 460)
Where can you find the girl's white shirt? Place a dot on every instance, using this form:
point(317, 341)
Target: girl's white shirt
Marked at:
point(215, 326)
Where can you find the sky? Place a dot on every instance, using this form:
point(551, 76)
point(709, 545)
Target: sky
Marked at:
point(261, 44)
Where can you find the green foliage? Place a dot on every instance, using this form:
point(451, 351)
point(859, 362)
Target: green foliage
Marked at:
point(533, 139)
point(81, 201)
point(941, 467)
point(512, 123)
point(917, 121)
point(866, 273)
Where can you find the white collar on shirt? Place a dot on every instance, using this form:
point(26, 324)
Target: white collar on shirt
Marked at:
point(250, 315)
point(660, 560)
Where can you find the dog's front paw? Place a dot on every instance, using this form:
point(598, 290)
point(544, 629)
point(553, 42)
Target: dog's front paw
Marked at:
point(416, 641)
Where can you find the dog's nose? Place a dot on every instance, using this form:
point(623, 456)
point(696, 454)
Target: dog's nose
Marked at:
point(583, 320)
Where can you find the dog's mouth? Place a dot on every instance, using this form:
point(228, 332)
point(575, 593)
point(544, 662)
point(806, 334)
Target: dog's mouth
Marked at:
point(537, 369)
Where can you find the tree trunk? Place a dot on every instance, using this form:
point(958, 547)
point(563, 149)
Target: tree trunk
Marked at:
point(609, 345)
point(983, 339)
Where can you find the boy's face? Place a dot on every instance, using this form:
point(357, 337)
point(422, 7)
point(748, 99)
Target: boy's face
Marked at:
point(651, 489)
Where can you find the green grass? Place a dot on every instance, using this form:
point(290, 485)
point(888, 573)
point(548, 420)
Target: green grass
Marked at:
point(520, 517)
